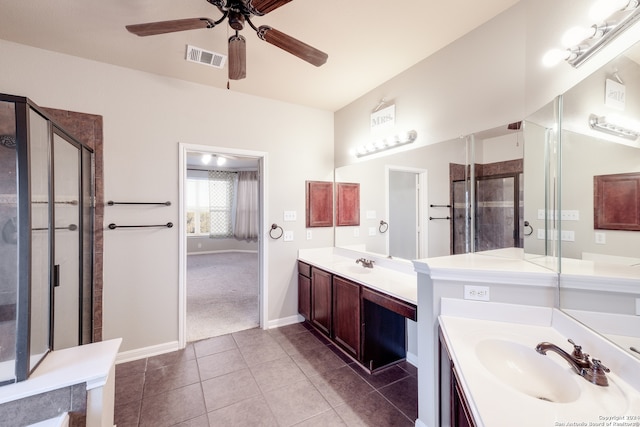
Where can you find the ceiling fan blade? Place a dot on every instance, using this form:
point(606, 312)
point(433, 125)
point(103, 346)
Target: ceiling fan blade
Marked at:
point(291, 45)
point(163, 27)
point(237, 61)
point(262, 7)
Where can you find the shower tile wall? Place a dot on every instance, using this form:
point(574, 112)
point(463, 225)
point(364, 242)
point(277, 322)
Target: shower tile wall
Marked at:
point(8, 242)
point(495, 214)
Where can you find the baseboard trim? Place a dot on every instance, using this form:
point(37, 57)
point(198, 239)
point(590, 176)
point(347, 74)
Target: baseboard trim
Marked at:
point(284, 321)
point(141, 353)
point(412, 358)
point(223, 251)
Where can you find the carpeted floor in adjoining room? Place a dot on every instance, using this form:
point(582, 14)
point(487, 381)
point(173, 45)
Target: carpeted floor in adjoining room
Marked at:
point(222, 294)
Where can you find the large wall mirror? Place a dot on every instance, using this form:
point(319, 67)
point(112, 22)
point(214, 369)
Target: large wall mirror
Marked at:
point(600, 257)
point(423, 203)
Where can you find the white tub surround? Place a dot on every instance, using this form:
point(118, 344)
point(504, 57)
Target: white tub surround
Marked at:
point(506, 279)
point(390, 276)
point(90, 364)
point(475, 333)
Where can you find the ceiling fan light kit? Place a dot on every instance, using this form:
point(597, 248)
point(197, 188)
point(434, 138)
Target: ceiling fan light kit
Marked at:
point(237, 13)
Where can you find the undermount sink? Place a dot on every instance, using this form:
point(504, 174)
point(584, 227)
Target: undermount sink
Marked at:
point(528, 372)
point(357, 269)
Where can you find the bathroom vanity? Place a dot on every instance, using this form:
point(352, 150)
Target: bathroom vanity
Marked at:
point(362, 310)
point(496, 377)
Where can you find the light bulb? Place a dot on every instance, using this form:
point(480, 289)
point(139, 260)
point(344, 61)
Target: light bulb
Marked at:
point(206, 158)
point(554, 56)
point(221, 161)
point(573, 36)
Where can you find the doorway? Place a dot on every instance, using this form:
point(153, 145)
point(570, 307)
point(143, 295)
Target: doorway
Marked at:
point(405, 195)
point(222, 286)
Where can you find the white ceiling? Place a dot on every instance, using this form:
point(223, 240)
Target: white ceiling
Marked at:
point(368, 41)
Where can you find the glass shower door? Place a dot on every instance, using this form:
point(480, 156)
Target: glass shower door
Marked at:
point(67, 269)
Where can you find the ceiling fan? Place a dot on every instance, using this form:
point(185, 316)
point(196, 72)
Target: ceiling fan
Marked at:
point(238, 12)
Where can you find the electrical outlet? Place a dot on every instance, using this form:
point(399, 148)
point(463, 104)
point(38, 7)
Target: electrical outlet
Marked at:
point(372, 231)
point(356, 232)
point(541, 233)
point(601, 238)
point(309, 235)
point(570, 215)
point(477, 293)
point(290, 215)
point(540, 213)
point(288, 236)
point(568, 236)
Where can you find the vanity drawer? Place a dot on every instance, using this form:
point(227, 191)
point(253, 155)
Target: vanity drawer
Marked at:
point(404, 309)
point(304, 269)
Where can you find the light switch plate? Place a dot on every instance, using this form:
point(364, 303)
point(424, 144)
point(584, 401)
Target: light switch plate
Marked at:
point(371, 215)
point(356, 232)
point(309, 235)
point(372, 231)
point(601, 238)
point(288, 236)
point(290, 215)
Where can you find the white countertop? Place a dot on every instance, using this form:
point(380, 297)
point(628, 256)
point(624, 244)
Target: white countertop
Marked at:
point(487, 267)
point(494, 402)
point(89, 363)
point(391, 277)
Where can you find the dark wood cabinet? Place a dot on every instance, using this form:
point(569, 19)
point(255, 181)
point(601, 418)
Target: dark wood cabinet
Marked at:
point(321, 301)
point(346, 315)
point(304, 290)
point(367, 325)
point(453, 403)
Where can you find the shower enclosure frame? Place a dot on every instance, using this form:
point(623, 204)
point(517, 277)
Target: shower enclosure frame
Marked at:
point(25, 362)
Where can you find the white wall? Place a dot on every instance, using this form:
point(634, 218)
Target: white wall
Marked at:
point(145, 117)
point(475, 83)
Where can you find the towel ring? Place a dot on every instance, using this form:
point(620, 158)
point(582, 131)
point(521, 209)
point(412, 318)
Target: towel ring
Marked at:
point(383, 226)
point(526, 224)
point(275, 227)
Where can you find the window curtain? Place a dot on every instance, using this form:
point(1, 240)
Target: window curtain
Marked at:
point(246, 220)
point(221, 196)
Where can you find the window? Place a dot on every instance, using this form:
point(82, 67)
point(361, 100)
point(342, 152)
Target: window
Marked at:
point(197, 207)
point(210, 204)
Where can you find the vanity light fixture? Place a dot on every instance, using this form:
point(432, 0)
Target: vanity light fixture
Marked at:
point(616, 125)
point(386, 143)
point(580, 43)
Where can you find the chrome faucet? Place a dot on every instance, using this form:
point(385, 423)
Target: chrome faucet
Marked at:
point(368, 263)
point(591, 370)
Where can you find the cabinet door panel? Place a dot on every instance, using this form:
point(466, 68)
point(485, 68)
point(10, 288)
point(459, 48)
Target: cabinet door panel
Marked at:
point(346, 315)
point(321, 300)
point(304, 296)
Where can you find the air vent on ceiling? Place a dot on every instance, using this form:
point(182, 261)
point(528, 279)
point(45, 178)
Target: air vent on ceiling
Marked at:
point(205, 57)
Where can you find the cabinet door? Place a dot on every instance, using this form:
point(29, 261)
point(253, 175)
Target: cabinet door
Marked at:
point(346, 315)
point(321, 300)
point(304, 296)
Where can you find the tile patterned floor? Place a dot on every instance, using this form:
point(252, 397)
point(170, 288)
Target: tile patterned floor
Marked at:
point(289, 376)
